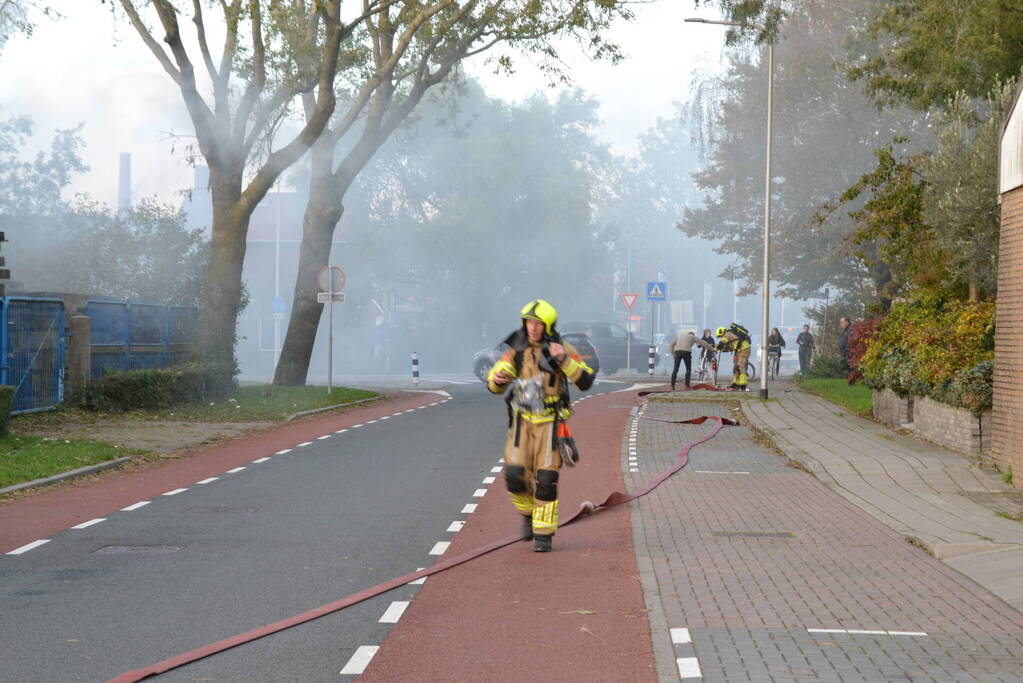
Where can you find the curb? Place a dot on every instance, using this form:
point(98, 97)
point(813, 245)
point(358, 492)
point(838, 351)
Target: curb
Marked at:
point(303, 413)
point(46, 481)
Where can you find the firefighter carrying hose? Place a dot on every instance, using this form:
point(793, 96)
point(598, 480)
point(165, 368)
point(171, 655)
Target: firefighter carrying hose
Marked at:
point(536, 370)
point(735, 339)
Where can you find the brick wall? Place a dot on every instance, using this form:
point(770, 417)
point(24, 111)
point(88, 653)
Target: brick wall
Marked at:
point(954, 428)
point(1007, 417)
point(891, 409)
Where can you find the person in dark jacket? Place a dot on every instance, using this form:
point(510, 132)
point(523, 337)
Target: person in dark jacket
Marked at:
point(843, 342)
point(805, 341)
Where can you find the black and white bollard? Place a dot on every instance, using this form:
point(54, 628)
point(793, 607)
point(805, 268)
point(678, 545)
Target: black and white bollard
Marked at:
point(415, 368)
point(650, 361)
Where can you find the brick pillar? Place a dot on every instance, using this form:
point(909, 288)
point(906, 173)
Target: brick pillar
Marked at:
point(1008, 400)
point(78, 358)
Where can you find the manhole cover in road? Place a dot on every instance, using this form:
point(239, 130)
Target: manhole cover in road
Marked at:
point(216, 510)
point(137, 550)
point(753, 534)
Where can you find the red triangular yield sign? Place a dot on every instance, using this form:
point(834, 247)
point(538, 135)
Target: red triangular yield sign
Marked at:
point(629, 299)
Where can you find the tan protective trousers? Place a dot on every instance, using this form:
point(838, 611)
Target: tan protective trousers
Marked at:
point(535, 453)
point(739, 360)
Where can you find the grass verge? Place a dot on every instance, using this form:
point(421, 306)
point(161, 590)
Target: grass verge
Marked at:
point(24, 458)
point(856, 399)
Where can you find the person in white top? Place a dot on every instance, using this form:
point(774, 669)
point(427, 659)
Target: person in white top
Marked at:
point(682, 350)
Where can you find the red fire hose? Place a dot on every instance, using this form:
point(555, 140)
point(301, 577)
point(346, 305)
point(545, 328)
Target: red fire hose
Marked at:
point(587, 508)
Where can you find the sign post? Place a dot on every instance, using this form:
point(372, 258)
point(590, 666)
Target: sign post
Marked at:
point(629, 300)
point(655, 292)
point(331, 281)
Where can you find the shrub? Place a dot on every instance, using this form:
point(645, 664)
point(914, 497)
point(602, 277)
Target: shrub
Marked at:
point(158, 387)
point(825, 367)
point(927, 348)
point(6, 405)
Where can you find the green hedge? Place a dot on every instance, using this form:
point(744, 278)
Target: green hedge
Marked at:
point(159, 387)
point(824, 367)
point(6, 404)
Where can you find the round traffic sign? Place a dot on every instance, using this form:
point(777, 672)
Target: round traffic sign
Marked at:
point(331, 279)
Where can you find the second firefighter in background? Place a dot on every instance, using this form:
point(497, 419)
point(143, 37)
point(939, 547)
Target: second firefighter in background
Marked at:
point(536, 370)
point(735, 339)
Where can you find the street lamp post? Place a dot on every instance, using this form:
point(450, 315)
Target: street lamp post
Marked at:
point(767, 196)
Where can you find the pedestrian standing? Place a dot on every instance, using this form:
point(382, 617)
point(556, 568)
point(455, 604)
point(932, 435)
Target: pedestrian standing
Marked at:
point(538, 368)
point(843, 343)
point(682, 349)
point(805, 341)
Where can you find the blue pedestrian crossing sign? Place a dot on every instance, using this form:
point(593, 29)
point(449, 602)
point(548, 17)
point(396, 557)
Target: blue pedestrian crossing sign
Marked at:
point(279, 305)
point(656, 291)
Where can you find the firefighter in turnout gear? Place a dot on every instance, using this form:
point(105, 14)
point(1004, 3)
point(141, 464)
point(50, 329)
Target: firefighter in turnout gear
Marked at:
point(735, 340)
point(535, 371)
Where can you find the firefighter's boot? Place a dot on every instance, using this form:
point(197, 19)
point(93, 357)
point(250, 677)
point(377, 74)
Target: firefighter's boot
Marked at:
point(527, 527)
point(542, 544)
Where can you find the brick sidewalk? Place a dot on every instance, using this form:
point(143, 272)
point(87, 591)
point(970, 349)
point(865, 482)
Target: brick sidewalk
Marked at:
point(742, 557)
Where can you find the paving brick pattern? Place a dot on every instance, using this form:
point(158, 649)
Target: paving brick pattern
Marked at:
point(748, 602)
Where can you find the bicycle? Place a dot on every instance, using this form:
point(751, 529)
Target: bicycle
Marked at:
point(707, 367)
point(773, 363)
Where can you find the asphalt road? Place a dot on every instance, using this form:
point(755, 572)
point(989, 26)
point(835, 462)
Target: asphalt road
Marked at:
point(282, 536)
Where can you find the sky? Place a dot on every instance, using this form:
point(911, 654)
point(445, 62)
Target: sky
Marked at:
point(113, 84)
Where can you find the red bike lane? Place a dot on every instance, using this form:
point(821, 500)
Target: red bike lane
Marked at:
point(41, 513)
point(575, 614)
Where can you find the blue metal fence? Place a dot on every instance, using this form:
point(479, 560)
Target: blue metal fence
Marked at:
point(129, 336)
point(32, 347)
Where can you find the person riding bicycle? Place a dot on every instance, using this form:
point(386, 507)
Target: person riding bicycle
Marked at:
point(735, 339)
point(775, 343)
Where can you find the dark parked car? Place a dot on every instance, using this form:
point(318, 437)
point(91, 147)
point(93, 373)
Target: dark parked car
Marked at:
point(484, 358)
point(612, 339)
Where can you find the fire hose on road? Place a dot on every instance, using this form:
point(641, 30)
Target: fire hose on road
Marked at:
point(586, 508)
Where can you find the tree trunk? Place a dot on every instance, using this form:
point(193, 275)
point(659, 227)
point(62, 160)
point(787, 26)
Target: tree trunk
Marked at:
point(218, 316)
point(323, 211)
point(974, 294)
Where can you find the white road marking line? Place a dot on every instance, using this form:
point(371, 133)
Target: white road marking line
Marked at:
point(456, 526)
point(393, 613)
point(386, 417)
point(409, 410)
point(688, 667)
point(259, 460)
point(286, 450)
point(175, 492)
point(488, 480)
point(907, 633)
point(236, 469)
point(868, 633)
point(209, 480)
point(369, 422)
point(360, 660)
point(479, 493)
point(357, 426)
point(303, 444)
point(718, 472)
point(28, 546)
point(341, 431)
point(495, 469)
point(325, 436)
point(469, 508)
point(135, 506)
point(634, 469)
point(500, 460)
point(825, 630)
point(439, 547)
point(680, 636)
point(85, 525)
point(420, 581)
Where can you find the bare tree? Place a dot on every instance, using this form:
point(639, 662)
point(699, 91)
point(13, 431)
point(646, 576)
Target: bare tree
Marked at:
point(412, 48)
point(272, 53)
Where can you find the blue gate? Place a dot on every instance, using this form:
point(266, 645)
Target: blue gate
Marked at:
point(32, 343)
point(132, 335)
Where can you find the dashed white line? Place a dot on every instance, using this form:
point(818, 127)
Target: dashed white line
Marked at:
point(341, 431)
point(386, 417)
point(479, 493)
point(236, 469)
point(325, 436)
point(135, 506)
point(680, 636)
point(393, 613)
point(439, 547)
point(360, 660)
point(469, 508)
point(175, 492)
point(208, 480)
point(303, 444)
point(866, 632)
point(357, 426)
point(488, 480)
point(259, 460)
point(420, 581)
point(286, 450)
point(634, 469)
point(369, 422)
point(688, 667)
point(456, 526)
point(409, 410)
point(495, 469)
point(907, 633)
point(28, 546)
point(86, 525)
